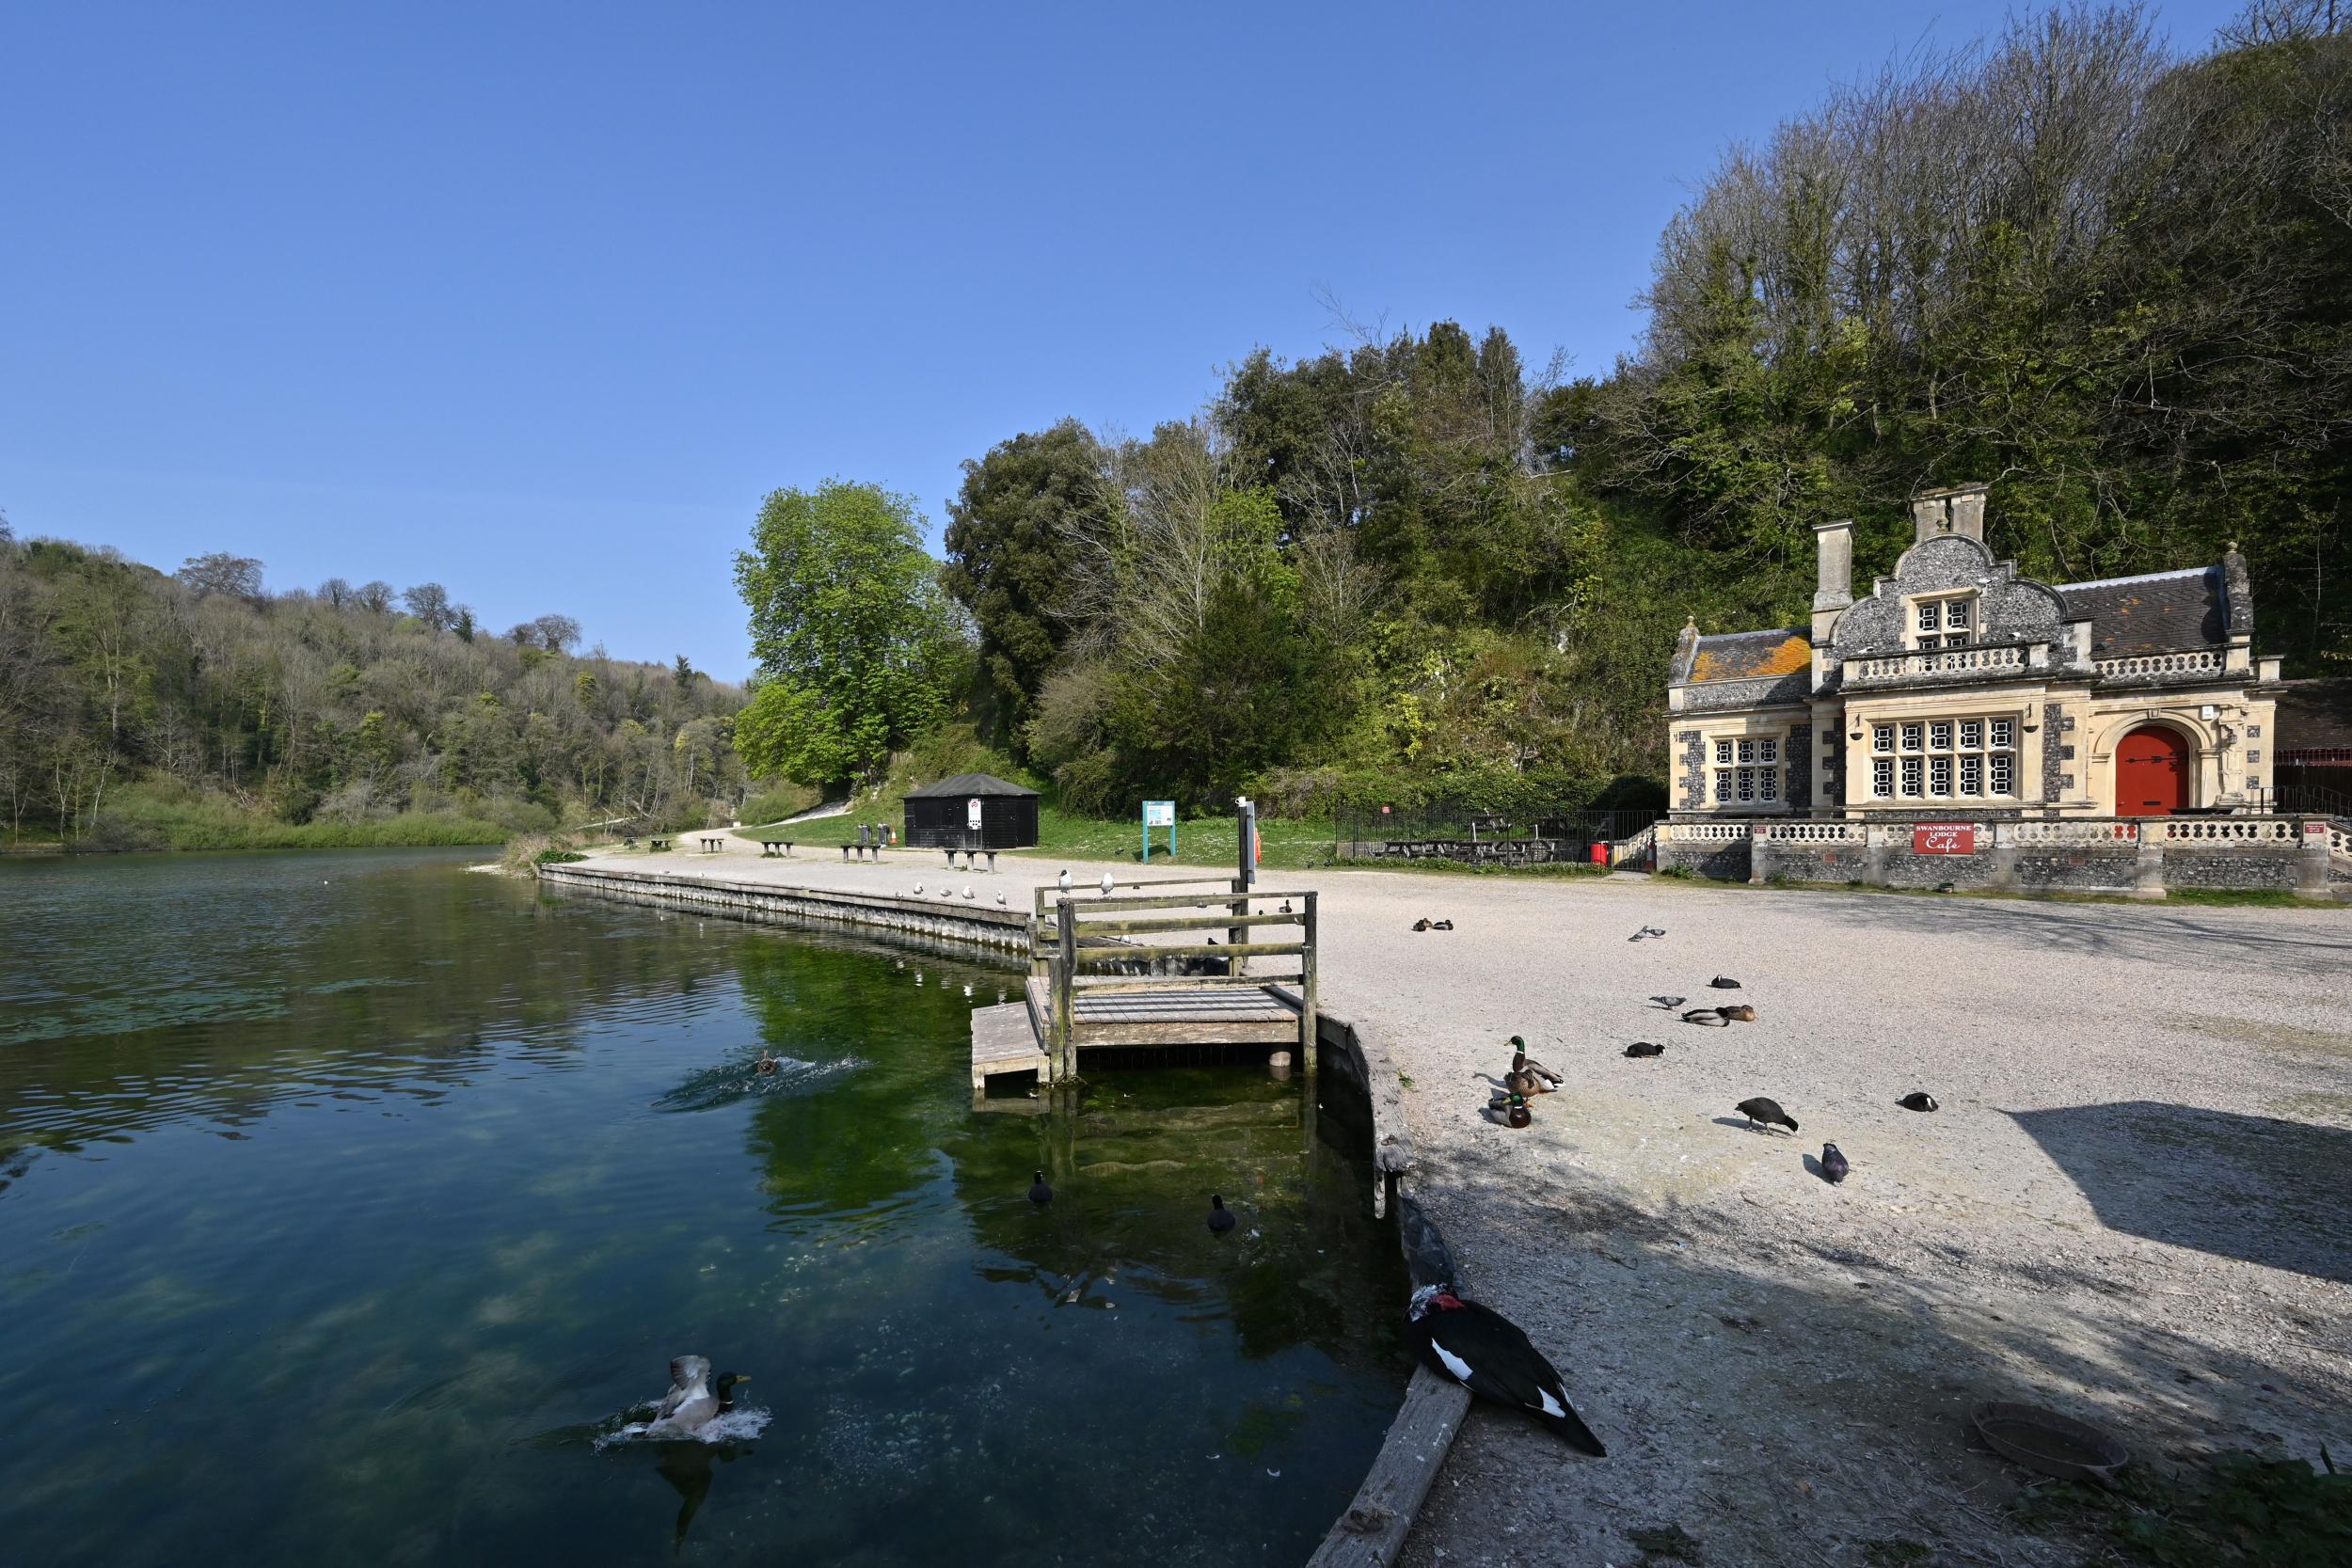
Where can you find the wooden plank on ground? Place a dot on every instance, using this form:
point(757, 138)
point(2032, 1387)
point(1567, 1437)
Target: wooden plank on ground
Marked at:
point(1371, 1531)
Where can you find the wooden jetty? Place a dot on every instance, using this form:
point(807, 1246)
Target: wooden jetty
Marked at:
point(1133, 970)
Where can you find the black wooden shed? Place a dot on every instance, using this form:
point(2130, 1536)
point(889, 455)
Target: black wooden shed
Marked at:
point(939, 816)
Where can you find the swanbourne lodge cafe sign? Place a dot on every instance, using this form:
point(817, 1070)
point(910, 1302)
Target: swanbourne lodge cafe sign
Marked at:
point(1944, 838)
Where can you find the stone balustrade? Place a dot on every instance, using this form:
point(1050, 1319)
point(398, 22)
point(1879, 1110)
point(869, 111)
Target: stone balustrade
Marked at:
point(2201, 661)
point(1948, 661)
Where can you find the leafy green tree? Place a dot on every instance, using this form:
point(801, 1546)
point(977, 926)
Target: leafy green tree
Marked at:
point(857, 645)
point(1013, 530)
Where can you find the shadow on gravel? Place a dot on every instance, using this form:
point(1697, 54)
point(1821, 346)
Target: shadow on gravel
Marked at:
point(2237, 1187)
point(1785, 1396)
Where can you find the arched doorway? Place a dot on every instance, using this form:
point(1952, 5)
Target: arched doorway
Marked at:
point(2151, 767)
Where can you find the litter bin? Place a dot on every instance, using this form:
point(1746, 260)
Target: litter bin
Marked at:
point(1600, 854)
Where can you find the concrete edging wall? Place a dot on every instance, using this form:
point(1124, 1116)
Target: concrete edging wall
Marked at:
point(1006, 930)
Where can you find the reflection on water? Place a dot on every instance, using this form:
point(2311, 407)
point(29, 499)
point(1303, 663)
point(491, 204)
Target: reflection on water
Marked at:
point(347, 1200)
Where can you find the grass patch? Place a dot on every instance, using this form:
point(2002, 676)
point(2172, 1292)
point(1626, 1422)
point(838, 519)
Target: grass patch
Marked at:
point(2240, 1508)
point(1205, 843)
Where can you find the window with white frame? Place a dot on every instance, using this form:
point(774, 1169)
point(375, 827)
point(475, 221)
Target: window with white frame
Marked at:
point(1945, 759)
point(1747, 769)
point(1945, 622)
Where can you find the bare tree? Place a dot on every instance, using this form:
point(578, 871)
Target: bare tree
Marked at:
point(556, 632)
point(429, 603)
point(336, 593)
point(374, 596)
point(222, 573)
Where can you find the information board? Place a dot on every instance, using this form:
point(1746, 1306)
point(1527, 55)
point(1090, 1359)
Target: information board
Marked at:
point(1159, 813)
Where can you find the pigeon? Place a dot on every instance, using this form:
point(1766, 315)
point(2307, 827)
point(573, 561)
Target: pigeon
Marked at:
point(1724, 982)
point(1065, 879)
point(1765, 1113)
point(1670, 1003)
point(1039, 1193)
point(1106, 884)
point(1917, 1099)
point(1834, 1167)
point(1220, 1217)
point(1740, 1014)
point(1489, 1354)
point(1647, 932)
point(1645, 1048)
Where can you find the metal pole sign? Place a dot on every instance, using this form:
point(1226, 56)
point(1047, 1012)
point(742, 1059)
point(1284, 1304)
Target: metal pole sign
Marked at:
point(1159, 813)
point(1245, 830)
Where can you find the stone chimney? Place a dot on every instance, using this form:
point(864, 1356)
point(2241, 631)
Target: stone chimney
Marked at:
point(1833, 590)
point(1959, 510)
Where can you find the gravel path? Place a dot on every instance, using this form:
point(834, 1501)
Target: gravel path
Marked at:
point(2130, 1206)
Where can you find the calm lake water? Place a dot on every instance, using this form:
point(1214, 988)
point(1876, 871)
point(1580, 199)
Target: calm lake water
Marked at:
point(346, 1199)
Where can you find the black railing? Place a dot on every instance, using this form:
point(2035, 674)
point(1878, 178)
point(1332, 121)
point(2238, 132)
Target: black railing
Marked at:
point(1457, 831)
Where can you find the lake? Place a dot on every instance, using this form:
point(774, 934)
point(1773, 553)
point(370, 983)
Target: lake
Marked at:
point(350, 1202)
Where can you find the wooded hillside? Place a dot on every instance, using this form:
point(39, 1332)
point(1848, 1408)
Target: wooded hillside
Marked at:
point(2113, 281)
point(138, 709)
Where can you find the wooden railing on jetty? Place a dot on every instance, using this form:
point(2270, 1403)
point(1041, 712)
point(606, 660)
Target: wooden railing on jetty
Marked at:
point(1097, 977)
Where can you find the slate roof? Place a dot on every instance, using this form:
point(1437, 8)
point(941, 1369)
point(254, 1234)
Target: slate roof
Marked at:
point(1740, 656)
point(2160, 612)
point(2314, 715)
point(964, 786)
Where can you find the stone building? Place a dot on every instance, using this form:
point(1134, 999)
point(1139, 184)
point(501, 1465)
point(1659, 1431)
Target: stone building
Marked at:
point(1959, 688)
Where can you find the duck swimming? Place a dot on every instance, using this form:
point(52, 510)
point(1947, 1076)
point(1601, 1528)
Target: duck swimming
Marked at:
point(694, 1401)
point(767, 1064)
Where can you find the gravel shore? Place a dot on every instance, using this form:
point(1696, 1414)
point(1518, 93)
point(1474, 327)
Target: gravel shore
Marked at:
point(2129, 1207)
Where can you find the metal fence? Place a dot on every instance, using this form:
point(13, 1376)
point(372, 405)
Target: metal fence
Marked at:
point(1459, 831)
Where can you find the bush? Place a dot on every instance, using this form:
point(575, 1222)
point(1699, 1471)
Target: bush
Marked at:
point(780, 801)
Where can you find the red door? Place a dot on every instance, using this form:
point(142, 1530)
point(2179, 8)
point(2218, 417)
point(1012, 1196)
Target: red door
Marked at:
point(2150, 773)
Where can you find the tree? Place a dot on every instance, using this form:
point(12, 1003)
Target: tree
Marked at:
point(462, 622)
point(556, 632)
point(856, 644)
point(336, 593)
point(221, 573)
point(1014, 529)
point(684, 674)
point(429, 603)
point(375, 597)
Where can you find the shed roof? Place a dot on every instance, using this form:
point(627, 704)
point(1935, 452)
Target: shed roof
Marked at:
point(2314, 715)
point(2157, 612)
point(964, 786)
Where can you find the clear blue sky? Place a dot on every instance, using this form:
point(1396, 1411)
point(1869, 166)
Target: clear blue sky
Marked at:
point(538, 301)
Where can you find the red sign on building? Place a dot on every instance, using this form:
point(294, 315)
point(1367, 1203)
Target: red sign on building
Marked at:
point(1944, 838)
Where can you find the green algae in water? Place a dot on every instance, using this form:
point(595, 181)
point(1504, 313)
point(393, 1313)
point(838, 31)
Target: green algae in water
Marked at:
point(348, 1199)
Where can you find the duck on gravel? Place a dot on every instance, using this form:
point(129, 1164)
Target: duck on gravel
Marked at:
point(1487, 1354)
point(1917, 1099)
point(1521, 1061)
point(1762, 1113)
point(1646, 1048)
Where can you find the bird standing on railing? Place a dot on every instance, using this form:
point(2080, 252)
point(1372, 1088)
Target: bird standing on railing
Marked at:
point(1106, 884)
point(1065, 879)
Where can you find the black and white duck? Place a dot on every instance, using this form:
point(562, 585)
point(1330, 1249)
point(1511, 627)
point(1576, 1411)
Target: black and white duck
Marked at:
point(1220, 1217)
point(1489, 1354)
point(1039, 1193)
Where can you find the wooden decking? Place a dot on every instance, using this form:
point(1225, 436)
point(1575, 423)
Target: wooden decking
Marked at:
point(1012, 1037)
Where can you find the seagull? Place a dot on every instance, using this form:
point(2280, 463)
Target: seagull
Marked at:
point(1065, 879)
point(1761, 1111)
point(1039, 1193)
point(1645, 1048)
point(1917, 1099)
point(1106, 884)
point(1000, 901)
point(967, 891)
point(1220, 1217)
point(918, 889)
point(1489, 1354)
point(1834, 1167)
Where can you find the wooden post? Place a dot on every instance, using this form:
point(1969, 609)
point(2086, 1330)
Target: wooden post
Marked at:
point(1307, 1024)
point(1065, 991)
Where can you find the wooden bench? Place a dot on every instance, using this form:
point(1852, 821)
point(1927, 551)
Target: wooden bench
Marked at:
point(714, 845)
point(655, 846)
point(971, 858)
point(775, 846)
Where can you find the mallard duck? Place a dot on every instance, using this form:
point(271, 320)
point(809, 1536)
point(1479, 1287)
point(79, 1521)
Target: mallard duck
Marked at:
point(767, 1064)
point(694, 1401)
point(1521, 1061)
